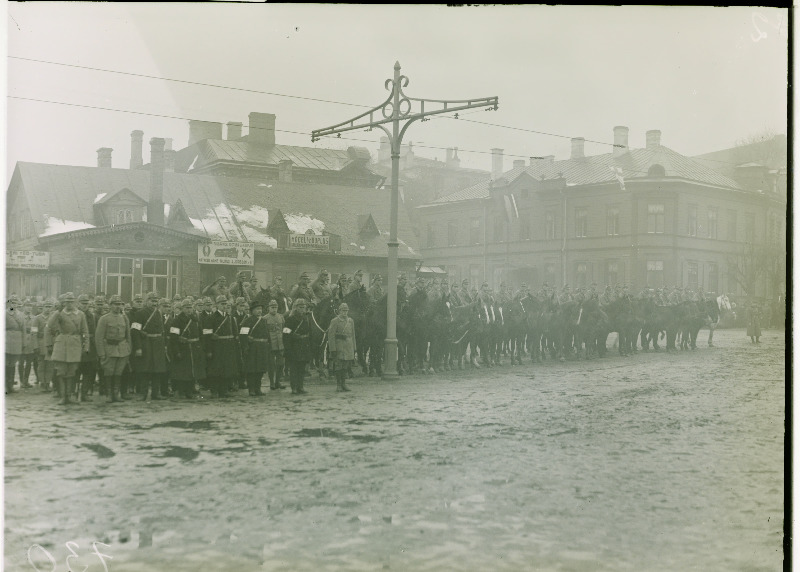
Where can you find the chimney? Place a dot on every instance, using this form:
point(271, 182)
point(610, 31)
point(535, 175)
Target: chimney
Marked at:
point(234, 130)
point(104, 157)
point(455, 162)
point(262, 129)
point(155, 203)
point(201, 130)
point(168, 144)
point(136, 149)
point(519, 163)
point(620, 138)
point(577, 148)
point(497, 164)
point(653, 138)
point(285, 170)
point(169, 160)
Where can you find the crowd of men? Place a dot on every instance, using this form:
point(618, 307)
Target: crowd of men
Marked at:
point(228, 338)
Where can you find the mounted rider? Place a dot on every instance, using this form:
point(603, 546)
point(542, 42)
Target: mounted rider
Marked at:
point(320, 287)
point(375, 291)
point(302, 289)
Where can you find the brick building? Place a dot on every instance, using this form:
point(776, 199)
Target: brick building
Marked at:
point(128, 231)
point(643, 217)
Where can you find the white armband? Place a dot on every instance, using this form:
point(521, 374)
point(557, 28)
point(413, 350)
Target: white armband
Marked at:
point(34, 329)
point(287, 331)
point(244, 330)
point(207, 331)
point(174, 330)
point(136, 326)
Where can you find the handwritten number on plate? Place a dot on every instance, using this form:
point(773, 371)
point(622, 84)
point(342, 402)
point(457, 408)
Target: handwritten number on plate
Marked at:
point(46, 553)
point(73, 556)
point(100, 555)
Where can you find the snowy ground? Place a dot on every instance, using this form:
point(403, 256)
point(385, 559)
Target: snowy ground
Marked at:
point(652, 462)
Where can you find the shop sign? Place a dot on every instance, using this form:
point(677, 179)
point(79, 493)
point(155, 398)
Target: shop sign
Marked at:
point(309, 242)
point(27, 259)
point(230, 253)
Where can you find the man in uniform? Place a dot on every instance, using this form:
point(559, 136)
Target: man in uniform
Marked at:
point(30, 346)
point(302, 289)
point(402, 295)
point(504, 295)
point(113, 344)
point(70, 340)
point(241, 310)
point(44, 370)
point(321, 286)
point(149, 346)
point(87, 371)
point(187, 365)
point(15, 331)
point(358, 279)
point(241, 288)
point(255, 343)
point(222, 349)
point(276, 293)
point(215, 289)
point(375, 291)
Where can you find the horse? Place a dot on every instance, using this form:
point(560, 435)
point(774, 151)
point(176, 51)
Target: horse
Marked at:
point(358, 302)
point(321, 315)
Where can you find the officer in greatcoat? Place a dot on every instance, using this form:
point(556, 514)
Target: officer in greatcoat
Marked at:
point(70, 336)
point(275, 363)
point(149, 346)
point(222, 349)
point(255, 343)
point(29, 346)
point(321, 286)
point(113, 346)
point(302, 289)
point(15, 330)
point(87, 371)
point(44, 371)
point(188, 360)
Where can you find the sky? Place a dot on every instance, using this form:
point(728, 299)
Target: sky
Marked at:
point(706, 77)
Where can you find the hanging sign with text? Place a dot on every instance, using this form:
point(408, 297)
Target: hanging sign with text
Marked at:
point(230, 253)
point(27, 259)
point(309, 242)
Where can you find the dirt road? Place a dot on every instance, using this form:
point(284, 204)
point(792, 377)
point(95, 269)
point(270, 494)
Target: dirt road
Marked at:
point(652, 462)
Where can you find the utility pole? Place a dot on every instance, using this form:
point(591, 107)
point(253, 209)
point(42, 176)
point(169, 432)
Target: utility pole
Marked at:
point(398, 107)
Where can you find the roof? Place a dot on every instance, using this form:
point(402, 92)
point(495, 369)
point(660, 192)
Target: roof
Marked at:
point(209, 151)
point(62, 199)
point(597, 169)
point(770, 152)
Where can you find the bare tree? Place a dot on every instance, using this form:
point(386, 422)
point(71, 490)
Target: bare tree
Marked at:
point(765, 147)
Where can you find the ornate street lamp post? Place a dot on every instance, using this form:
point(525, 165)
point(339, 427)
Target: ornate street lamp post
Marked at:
point(398, 107)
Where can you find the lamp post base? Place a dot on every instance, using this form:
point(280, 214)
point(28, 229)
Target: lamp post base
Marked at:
point(390, 361)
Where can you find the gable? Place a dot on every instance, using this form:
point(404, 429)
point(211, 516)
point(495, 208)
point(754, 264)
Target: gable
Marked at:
point(367, 226)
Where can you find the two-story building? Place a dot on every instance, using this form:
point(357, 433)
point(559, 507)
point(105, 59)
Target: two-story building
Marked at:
point(646, 217)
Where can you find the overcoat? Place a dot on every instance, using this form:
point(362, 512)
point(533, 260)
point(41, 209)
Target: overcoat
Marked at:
point(188, 360)
point(15, 327)
point(255, 344)
point(147, 334)
point(342, 337)
point(297, 343)
point(223, 345)
point(70, 334)
point(113, 336)
point(91, 323)
point(30, 344)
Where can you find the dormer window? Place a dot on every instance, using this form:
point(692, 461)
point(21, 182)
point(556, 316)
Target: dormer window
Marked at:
point(124, 215)
point(656, 171)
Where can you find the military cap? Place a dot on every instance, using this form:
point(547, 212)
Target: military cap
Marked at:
point(343, 306)
point(241, 274)
point(13, 300)
point(164, 302)
point(273, 302)
point(115, 299)
point(300, 302)
point(83, 298)
point(138, 298)
point(69, 297)
point(50, 301)
point(304, 275)
point(152, 295)
point(187, 303)
point(207, 300)
point(257, 304)
point(240, 300)
point(465, 282)
point(222, 278)
point(221, 299)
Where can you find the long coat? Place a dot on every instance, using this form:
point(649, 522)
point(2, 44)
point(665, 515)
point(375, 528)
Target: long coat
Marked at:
point(188, 360)
point(223, 345)
point(753, 322)
point(15, 327)
point(297, 342)
point(147, 334)
point(342, 337)
point(91, 323)
point(71, 335)
point(113, 335)
point(30, 344)
point(255, 344)
point(40, 325)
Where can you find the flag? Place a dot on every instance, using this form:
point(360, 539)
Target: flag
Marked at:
point(618, 175)
point(511, 207)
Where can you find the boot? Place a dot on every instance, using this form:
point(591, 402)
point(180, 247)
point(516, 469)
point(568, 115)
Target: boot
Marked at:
point(65, 389)
point(344, 386)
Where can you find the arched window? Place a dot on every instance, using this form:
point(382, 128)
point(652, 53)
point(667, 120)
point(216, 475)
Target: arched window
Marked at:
point(656, 171)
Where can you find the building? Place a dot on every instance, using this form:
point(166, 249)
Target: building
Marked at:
point(152, 227)
point(646, 217)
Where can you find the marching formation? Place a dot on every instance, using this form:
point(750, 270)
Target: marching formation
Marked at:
point(231, 337)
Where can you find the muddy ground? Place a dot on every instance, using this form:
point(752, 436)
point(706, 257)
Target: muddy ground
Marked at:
point(652, 462)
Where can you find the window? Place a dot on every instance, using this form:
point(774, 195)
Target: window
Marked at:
point(524, 227)
point(550, 273)
point(155, 276)
point(612, 222)
point(731, 224)
point(691, 275)
point(118, 277)
point(124, 215)
point(580, 222)
point(612, 272)
point(749, 227)
point(713, 277)
point(581, 274)
point(452, 233)
point(431, 235)
point(655, 273)
point(475, 230)
point(712, 223)
point(692, 220)
point(655, 218)
point(549, 226)
point(498, 228)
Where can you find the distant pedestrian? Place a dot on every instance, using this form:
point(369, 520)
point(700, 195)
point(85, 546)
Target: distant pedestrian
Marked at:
point(342, 345)
point(754, 323)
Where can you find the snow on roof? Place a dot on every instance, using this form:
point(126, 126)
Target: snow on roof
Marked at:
point(254, 224)
point(55, 225)
point(300, 223)
point(99, 197)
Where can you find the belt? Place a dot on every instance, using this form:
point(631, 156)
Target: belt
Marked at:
point(259, 340)
point(154, 335)
point(224, 337)
point(187, 340)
